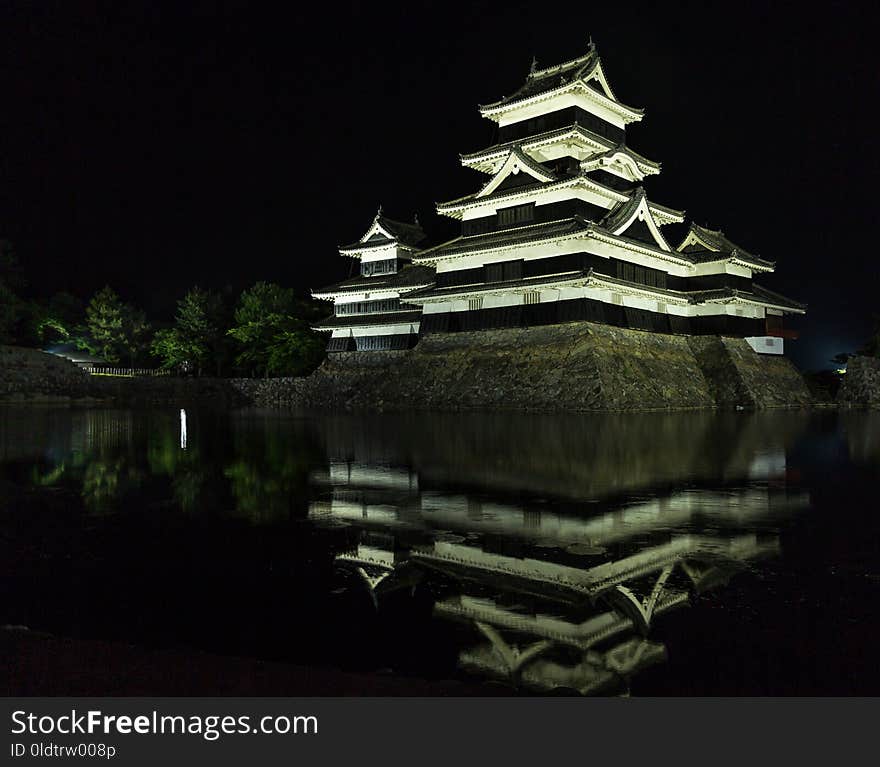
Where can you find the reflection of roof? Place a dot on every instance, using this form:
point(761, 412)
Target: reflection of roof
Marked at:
point(70, 352)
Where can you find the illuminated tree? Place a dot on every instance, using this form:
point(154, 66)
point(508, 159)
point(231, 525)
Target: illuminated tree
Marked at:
point(199, 323)
point(197, 338)
point(114, 330)
point(273, 334)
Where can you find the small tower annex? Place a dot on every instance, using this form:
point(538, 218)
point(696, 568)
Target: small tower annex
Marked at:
point(370, 311)
point(561, 230)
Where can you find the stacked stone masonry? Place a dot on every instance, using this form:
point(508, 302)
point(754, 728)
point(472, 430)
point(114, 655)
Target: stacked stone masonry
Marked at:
point(861, 384)
point(571, 367)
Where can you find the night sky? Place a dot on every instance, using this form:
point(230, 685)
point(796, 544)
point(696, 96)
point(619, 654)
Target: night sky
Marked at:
point(153, 146)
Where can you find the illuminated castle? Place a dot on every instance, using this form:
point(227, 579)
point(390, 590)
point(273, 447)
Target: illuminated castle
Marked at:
point(561, 231)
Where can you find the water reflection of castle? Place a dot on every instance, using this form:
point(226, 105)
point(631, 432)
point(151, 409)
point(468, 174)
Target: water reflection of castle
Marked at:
point(557, 595)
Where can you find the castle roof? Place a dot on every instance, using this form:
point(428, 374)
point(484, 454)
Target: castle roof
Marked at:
point(702, 244)
point(408, 278)
point(361, 320)
point(586, 68)
point(386, 231)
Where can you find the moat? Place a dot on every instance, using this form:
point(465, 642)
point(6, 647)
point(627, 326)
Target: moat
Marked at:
point(696, 553)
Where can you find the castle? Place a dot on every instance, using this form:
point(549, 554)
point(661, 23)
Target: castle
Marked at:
point(561, 231)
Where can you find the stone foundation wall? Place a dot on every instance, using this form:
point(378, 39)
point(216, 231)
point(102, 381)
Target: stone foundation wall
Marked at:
point(29, 374)
point(572, 367)
point(739, 376)
point(563, 367)
point(861, 384)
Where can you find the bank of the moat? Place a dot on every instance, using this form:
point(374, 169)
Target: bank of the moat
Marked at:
point(572, 367)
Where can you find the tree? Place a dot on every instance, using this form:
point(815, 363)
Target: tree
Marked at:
point(169, 348)
point(272, 332)
point(198, 337)
point(200, 325)
point(54, 322)
point(114, 330)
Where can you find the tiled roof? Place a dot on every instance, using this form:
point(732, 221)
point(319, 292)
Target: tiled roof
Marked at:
point(516, 236)
point(757, 293)
point(408, 277)
point(361, 320)
point(545, 80)
point(772, 295)
point(624, 149)
point(531, 163)
point(515, 191)
point(407, 234)
point(724, 248)
point(619, 214)
point(538, 137)
point(520, 282)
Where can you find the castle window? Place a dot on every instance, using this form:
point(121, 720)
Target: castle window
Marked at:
point(474, 304)
point(518, 214)
point(370, 268)
point(504, 271)
point(532, 297)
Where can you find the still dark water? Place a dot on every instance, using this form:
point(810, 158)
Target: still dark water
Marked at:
point(655, 554)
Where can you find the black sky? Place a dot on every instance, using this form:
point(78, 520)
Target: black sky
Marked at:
point(157, 145)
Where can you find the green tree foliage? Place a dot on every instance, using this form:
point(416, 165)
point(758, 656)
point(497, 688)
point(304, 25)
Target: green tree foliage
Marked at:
point(168, 347)
point(272, 331)
point(32, 322)
point(199, 318)
point(198, 338)
point(56, 321)
point(114, 330)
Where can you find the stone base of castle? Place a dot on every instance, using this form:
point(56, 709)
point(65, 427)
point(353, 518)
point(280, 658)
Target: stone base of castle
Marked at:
point(572, 367)
point(576, 366)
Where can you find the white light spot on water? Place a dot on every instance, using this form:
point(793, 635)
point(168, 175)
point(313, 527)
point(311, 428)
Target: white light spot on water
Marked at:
point(182, 429)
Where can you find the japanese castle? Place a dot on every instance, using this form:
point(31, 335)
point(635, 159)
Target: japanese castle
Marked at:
point(561, 231)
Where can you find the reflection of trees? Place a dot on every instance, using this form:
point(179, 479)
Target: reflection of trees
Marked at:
point(191, 471)
point(270, 473)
